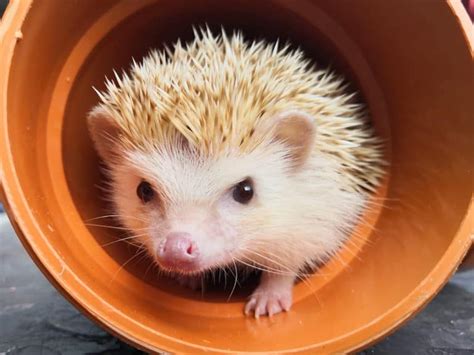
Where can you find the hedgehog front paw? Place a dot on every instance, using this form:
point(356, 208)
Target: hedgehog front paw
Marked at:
point(272, 296)
point(268, 303)
point(193, 282)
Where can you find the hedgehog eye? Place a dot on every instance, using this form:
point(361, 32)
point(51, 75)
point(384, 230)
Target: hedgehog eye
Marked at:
point(243, 191)
point(145, 191)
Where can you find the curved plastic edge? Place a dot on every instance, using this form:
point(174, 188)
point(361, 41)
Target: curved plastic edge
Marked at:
point(467, 25)
point(7, 47)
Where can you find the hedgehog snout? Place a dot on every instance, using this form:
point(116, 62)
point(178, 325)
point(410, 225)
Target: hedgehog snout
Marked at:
point(178, 251)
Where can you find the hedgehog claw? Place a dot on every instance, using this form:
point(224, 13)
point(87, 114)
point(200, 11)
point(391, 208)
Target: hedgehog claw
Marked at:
point(272, 296)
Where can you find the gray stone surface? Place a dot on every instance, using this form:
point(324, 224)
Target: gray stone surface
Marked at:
point(3, 6)
point(35, 319)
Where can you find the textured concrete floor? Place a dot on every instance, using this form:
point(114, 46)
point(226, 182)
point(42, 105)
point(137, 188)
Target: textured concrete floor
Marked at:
point(35, 319)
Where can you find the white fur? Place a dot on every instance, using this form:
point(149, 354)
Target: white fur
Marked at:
point(295, 218)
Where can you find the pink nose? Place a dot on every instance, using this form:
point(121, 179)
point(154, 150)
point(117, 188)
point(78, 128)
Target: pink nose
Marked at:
point(178, 251)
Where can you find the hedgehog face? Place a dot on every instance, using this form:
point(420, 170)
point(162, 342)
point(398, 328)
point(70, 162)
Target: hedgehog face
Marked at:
point(199, 212)
point(195, 212)
point(191, 208)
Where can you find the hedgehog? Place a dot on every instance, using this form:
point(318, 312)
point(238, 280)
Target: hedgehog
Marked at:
point(223, 152)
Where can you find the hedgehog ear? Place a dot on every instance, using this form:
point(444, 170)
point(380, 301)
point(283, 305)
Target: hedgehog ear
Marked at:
point(104, 132)
point(297, 131)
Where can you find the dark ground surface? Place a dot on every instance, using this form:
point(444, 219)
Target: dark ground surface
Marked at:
point(35, 319)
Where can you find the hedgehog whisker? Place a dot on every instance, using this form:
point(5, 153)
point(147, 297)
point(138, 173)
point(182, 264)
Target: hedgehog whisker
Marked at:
point(235, 280)
point(152, 266)
point(114, 216)
point(297, 276)
point(133, 237)
point(110, 227)
point(138, 253)
point(257, 266)
point(263, 267)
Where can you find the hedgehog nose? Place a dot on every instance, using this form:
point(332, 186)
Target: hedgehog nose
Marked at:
point(178, 251)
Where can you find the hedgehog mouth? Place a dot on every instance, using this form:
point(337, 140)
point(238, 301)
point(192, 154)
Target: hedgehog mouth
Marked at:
point(198, 268)
point(183, 270)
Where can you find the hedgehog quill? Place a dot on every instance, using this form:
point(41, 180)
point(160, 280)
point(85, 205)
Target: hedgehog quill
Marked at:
point(240, 152)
